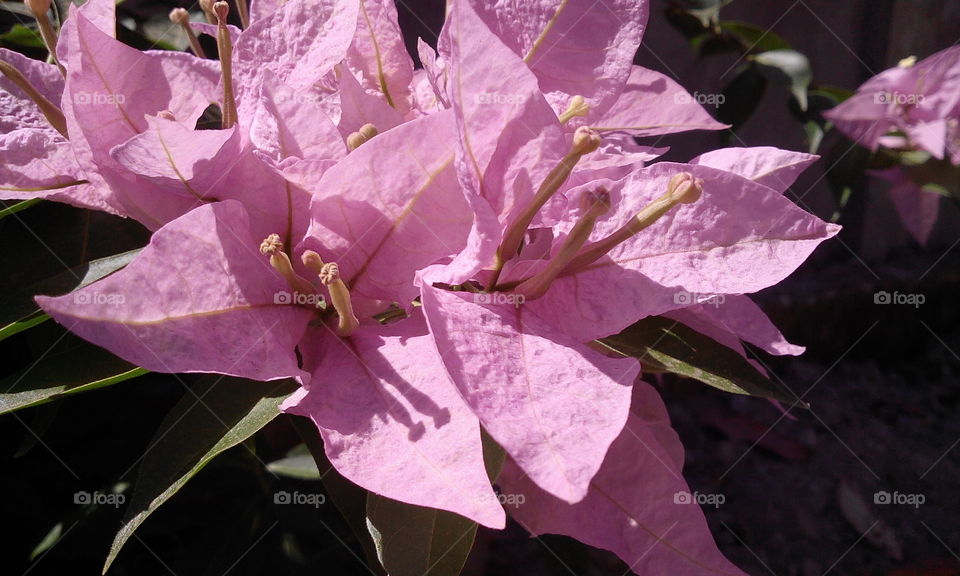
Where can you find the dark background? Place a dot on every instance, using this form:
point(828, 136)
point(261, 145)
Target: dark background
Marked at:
point(882, 381)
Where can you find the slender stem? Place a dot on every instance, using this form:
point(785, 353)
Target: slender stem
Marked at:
point(50, 111)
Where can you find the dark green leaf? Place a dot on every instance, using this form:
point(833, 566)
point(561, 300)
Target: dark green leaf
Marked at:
point(82, 368)
point(814, 134)
point(741, 97)
point(350, 499)
point(834, 93)
point(753, 38)
point(19, 36)
point(417, 541)
point(48, 542)
point(18, 311)
point(788, 67)
point(216, 414)
point(668, 345)
point(298, 464)
point(25, 323)
point(16, 207)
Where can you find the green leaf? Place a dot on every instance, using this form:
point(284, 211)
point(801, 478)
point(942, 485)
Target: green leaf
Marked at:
point(835, 94)
point(81, 368)
point(48, 542)
point(814, 134)
point(753, 38)
point(18, 206)
point(18, 311)
point(350, 499)
point(417, 541)
point(217, 413)
point(788, 67)
point(19, 36)
point(741, 97)
point(25, 323)
point(668, 345)
point(298, 464)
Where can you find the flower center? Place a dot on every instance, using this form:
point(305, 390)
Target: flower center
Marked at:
point(329, 274)
point(585, 141)
point(575, 254)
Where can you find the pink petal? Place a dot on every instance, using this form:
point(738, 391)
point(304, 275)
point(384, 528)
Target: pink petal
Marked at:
point(105, 105)
point(379, 54)
point(188, 161)
point(930, 136)
point(436, 70)
point(391, 207)
point(298, 44)
point(739, 237)
point(552, 403)
point(100, 13)
point(863, 119)
point(652, 104)
point(743, 319)
point(38, 162)
point(392, 422)
point(918, 209)
point(772, 167)
point(293, 124)
point(575, 47)
point(260, 9)
point(358, 107)
point(199, 298)
point(509, 137)
point(635, 508)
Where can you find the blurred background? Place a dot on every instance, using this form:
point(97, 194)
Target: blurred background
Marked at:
point(800, 491)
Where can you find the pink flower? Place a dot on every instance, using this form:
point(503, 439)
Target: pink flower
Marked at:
point(915, 105)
